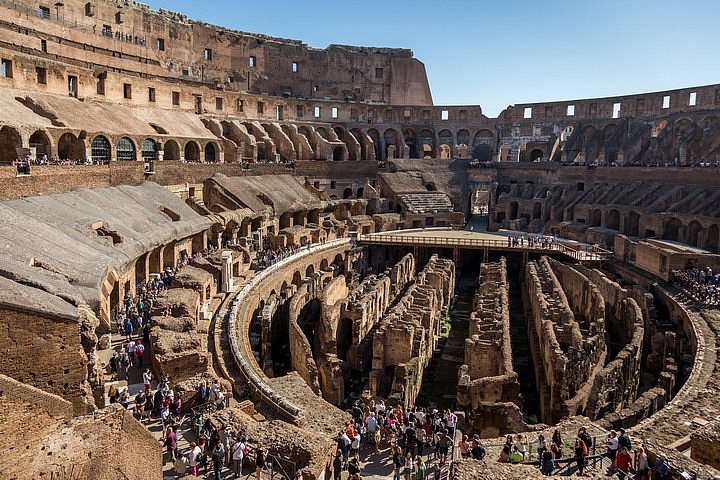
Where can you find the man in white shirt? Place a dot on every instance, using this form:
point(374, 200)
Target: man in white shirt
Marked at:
point(238, 454)
point(194, 458)
point(371, 424)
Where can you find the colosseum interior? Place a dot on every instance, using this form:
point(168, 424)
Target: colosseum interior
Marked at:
point(310, 232)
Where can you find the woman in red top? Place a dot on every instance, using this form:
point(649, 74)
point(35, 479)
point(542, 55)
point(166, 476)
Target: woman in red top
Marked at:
point(623, 460)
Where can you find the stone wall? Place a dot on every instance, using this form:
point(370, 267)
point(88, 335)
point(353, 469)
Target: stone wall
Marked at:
point(705, 445)
point(488, 387)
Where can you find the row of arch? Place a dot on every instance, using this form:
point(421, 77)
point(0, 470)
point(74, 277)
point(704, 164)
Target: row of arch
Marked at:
point(74, 147)
point(428, 143)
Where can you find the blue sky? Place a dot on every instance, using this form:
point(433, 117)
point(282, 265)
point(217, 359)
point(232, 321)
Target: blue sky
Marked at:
point(497, 53)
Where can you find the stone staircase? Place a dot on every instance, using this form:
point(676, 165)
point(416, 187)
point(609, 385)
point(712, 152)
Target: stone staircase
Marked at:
point(426, 202)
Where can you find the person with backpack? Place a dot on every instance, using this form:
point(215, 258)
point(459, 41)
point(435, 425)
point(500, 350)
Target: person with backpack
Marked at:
point(624, 440)
point(139, 351)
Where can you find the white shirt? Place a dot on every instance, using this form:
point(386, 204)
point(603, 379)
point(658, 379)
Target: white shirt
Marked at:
point(147, 378)
point(238, 450)
point(194, 455)
point(613, 443)
point(356, 442)
point(371, 423)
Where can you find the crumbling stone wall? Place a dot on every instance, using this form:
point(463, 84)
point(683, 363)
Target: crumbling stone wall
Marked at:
point(407, 335)
point(705, 445)
point(488, 388)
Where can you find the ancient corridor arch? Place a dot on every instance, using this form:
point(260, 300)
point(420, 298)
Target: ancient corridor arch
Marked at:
point(149, 150)
point(10, 142)
point(391, 140)
point(100, 148)
point(171, 150)
point(513, 211)
point(192, 152)
point(41, 142)
point(596, 218)
point(713, 237)
point(613, 220)
point(536, 155)
point(211, 154)
point(672, 229)
point(126, 150)
point(632, 224)
point(69, 146)
point(693, 233)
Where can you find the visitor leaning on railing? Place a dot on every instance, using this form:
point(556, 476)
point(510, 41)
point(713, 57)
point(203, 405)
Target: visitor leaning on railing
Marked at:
point(702, 283)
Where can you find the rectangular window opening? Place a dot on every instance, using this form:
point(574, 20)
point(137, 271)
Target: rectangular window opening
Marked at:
point(44, 12)
point(444, 115)
point(6, 69)
point(252, 61)
point(176, 98)
point(666, 101)
point(571, 110)
point(161, 44)
point(279, 112)
point(218, 103)
point(41, 75)
point(299, 111)
point(239, 105)
point(616, 110)
point(294, 67)
point(693, 99)
point(43, 46)
point(127, 90)
point(207, 55)
point(379, 73)
point(527, 113)
point(72, 86)
point(101, 83)
point(334, 112)
point(260, 108)
point(151, 95)
point(317, 112)
point(185, 72)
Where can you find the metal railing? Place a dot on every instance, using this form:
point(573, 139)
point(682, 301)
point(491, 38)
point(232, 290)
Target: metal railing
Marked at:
point(579, 252)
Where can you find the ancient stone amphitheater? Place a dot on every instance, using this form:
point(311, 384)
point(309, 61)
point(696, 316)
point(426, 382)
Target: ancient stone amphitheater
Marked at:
point(328, 235)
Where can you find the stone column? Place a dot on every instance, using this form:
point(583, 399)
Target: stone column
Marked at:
point(227, 272)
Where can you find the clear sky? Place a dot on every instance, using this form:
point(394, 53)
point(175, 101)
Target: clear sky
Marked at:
point(497, 53)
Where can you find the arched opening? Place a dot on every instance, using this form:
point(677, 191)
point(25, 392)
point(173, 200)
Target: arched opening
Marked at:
point(632, 224)
point(337, 153)
point(171, 150)
point(339, 264)
point(463, 137)
point(445, 137)
point(192, 152)
point(430, 187)
point(69, 146)
point(713, 237)
point(322, 132)
point(347, 193)
point(375, 137)
point(411, 142)
point(427, 138)
point(482, 145)
point(536, 155)
point(355, 132)
point(10, 142)
point(149, 150)
point(297, 279)
point(693, 233)
point(309, 271)
point(537, 210)
point(126, 150)
point(308, 320)
point(324, 265)
point(41, 143)
point(596, 218)
point(100, 147)
point(391, 141)
point(672, 229)
point(513, 210)
point(210, 153)
point(344, 337)
point(360, 192)
point(613, 220)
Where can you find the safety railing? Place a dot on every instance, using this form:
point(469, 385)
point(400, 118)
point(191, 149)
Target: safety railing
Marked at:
point(578, 252)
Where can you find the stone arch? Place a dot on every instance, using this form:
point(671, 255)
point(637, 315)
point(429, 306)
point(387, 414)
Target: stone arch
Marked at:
point(355, 132)
point(672, 229)
point(100, 148)
point(596, 218)
point(10, 142)
point(171, 150)
point(340, 133)
point(126, 150)
point(427, 138)
point(536, 155)
point(391, 139)
point(297, 279)
point(463, 137)
point(613, 220)
point(537, 210)
point(192, 151)
point(149, 150)
point(338, 154)
point(40, 140)
point(375, 137)
point(482, 145)
point(305, 131)
point(513, 210)
point(713, 238)
point(411, 141)
point(632, 224)
point(445, 137)
point(347, 193)
point(324, 265)
point(211, 152)
point(310, 270)
point(69, 146)
point(343, 337)
point(693, 233)
point(322, 132)
point(339, 262)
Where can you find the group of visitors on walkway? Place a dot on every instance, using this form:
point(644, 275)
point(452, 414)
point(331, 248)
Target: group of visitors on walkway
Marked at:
point(543, 242)
point(703, 283)
point(416, 438)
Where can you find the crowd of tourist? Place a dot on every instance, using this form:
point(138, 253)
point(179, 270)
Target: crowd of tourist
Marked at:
point(703, 283)
point(532, 241)
point(416, 439)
